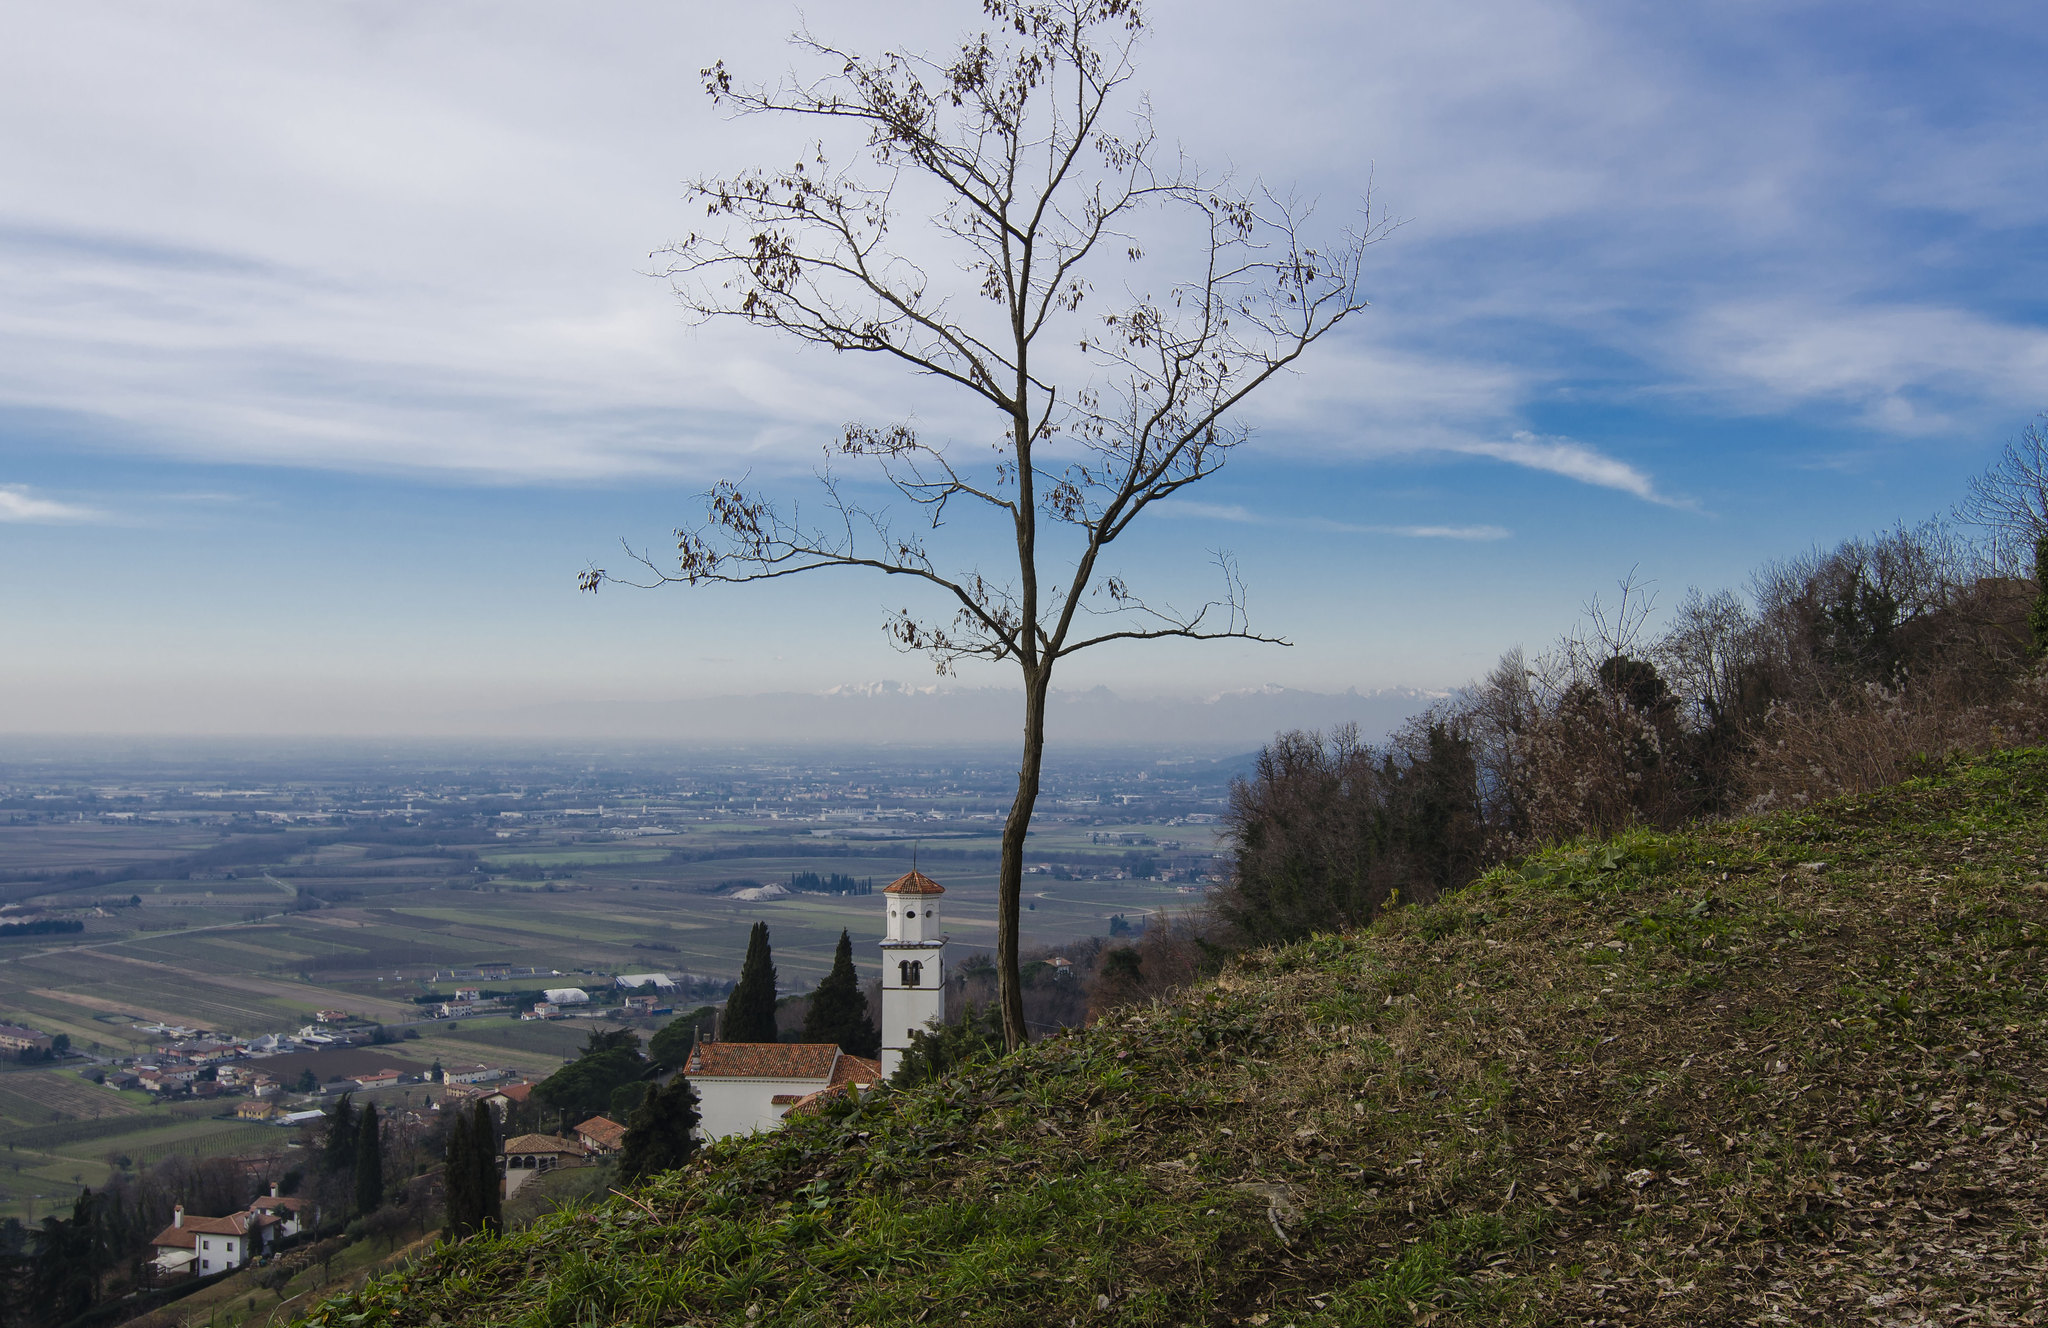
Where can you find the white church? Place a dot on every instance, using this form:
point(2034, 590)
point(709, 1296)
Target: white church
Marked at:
point(744, 1087)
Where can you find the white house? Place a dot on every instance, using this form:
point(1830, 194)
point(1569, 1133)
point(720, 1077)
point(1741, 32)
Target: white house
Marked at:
point(203, 1246)
point(743, 1087)
point(290, 1212)
point(913, 964)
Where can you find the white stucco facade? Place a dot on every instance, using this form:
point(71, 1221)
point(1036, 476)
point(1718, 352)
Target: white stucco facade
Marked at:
point(913, 963)
point(744, 1087)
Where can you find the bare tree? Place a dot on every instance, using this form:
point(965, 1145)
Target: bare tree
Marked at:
point(1040, 172)
point(2011, 499)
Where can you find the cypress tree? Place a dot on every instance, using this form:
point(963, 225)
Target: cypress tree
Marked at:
point(458, 1179)
point(838, 1012)
point(750, 1010)
point(662, 1135)
point(339, 1153)
point(483, 1160)
point(369, 1163)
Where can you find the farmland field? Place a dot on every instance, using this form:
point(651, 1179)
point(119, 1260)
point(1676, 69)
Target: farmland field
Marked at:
point(240, 900)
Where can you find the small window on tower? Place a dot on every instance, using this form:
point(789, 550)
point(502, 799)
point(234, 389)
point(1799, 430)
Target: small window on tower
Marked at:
point(910, 913)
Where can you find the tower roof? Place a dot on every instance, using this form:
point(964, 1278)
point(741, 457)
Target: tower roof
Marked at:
point(913, 882)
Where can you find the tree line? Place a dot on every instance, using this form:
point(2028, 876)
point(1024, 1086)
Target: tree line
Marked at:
point(1838, 671)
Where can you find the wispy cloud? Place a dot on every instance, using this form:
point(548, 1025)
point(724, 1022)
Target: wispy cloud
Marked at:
point(1237, 514)
point(18, 504)
point(1573, 460)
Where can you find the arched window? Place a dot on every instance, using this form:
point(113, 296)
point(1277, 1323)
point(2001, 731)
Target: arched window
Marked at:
point(916, 977)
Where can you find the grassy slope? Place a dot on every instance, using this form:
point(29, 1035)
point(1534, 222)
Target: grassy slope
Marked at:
point(1788, 1070)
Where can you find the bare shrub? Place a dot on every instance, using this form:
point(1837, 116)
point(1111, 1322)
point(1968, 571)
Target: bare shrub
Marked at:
point(1880, 735)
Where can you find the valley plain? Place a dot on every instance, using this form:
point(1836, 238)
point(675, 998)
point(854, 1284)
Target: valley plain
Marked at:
point(241, 896)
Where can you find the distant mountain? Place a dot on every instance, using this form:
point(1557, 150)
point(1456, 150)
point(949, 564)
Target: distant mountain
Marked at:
point(896, 714)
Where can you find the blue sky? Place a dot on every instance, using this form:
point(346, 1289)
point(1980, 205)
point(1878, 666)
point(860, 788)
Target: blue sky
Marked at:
point(327, 357)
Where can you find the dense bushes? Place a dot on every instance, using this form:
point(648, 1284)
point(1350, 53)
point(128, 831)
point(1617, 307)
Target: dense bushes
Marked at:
point(1840, 672)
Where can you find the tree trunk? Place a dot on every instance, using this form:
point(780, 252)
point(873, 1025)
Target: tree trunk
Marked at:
point(1010, 880)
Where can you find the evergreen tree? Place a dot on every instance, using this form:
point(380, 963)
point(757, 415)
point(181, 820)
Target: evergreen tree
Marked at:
point(483, 1161)
point(338, 1155)
point(458, 1180)
point(935, 1051)
point(670, 1046)
point(750, 1010)
point(2037, 617)
point(662, 1135)
point(369, 1163)
point(838, 1011)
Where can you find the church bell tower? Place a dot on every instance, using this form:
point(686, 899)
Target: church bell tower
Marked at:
point(913, 964)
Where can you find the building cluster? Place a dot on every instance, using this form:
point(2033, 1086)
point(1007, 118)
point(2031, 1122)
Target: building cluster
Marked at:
point(747, 1087)
point(197, 1065)
point(741, 1087)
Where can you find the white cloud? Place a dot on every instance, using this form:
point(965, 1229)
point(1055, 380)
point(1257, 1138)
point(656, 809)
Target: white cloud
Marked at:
point(1574, 461)
point(1237, 514)
point(17, 503)
point(1901, 367)
point(410, 238)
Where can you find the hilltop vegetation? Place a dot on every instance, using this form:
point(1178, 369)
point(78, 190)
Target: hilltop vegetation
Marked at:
point(1779, 1070)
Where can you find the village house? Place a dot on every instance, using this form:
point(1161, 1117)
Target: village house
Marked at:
point(601, 1135)
point(470, 1074)
point(201, 1052)
point(384, 1078)
point(202, 1246)
point(744, 1087)
point(256, 1110)
point(289, 1210)
point(13, 1037)
point(506, 1096)
point(528, 1155)
point(162, 1079)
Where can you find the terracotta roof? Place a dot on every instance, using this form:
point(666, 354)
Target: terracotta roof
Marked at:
point(856, 1070)
point(516, 1092)
point(238, 1224)
point(763, 1060)
point(913, 883)
point(852, 1072)
point(604, 1129)
point(274, 1202)
point(542, 1143)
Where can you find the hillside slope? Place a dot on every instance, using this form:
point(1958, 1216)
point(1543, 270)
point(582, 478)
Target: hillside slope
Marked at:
point(1786, 1070)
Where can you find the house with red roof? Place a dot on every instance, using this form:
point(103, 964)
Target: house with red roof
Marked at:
point(601, 1135)
point(525, 1156)
point(745, 1087)
point(203, 1246)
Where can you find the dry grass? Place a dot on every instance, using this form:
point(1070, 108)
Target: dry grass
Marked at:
point(1781, 1071)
